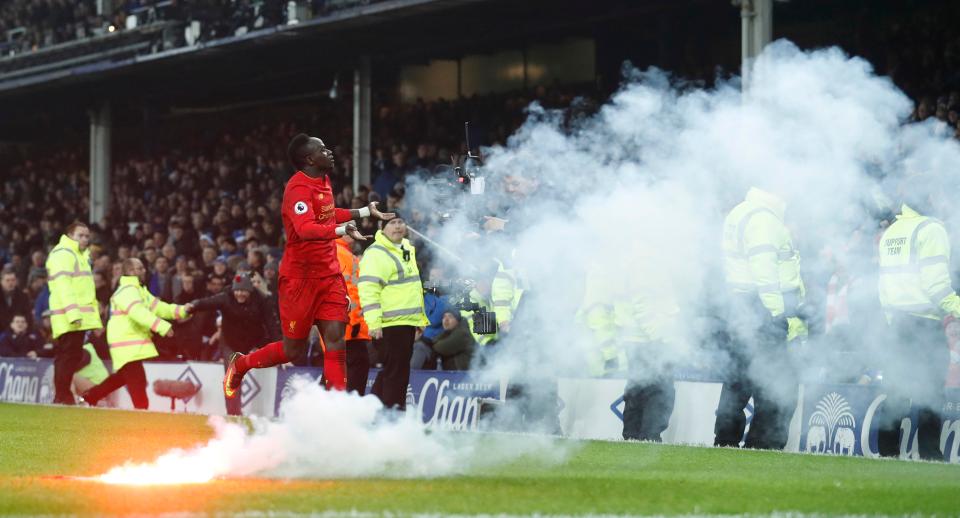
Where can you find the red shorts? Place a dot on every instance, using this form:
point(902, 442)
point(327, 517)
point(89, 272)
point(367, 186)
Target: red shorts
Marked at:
point(304, 301)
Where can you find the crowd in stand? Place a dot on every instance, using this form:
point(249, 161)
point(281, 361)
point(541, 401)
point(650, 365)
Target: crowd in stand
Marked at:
point(199, 212)
point(29, 25)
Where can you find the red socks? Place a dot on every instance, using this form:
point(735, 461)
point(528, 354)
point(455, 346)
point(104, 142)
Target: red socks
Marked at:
point(335, 369)
point(266, 356)
point(334, 363)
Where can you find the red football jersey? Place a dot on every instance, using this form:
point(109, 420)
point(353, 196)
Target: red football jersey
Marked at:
point(310, 222)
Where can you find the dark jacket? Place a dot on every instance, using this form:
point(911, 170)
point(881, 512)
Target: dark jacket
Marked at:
point(244, 326)
point(18, 303)
point(455, 347)
point(17, 346)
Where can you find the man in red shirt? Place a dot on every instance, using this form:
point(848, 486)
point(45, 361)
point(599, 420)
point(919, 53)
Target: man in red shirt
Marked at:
point(311, 287)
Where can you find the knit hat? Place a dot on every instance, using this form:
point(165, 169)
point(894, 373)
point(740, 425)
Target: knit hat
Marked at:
point(383, 224)
point(241, 281)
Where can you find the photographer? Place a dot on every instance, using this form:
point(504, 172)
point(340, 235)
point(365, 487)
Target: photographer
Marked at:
point(434, 306)
point(248, 322)
point(455, 345)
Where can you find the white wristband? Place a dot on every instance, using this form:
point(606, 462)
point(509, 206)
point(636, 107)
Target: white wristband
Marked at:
point(364, 212)
point(342, 230)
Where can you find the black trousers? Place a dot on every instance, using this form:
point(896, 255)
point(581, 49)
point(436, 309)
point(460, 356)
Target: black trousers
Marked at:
point(394, 350)
point(760, 367)
point(133, 376)
point(66, 362)
point(915, 372)
point(649, 396)
point(358, 366)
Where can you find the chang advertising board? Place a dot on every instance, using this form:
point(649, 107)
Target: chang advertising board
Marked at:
point(450, 400)
point(840, 419)
point(26, 381)
point(447, 400)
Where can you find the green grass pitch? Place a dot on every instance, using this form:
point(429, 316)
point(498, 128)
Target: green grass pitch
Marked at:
point(37, 444)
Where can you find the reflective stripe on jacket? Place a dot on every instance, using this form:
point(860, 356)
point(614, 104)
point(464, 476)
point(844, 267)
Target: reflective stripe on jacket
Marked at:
point(135, 314)
point(73, 295)
point(505, 293)
point(759, 256)
point(915, 267)
point(389, 285)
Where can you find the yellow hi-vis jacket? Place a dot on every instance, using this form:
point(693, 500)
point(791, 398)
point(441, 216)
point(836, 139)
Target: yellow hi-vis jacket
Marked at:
point(390, 290)
point(759, 256)
point(134, 314)
point(505, 293)
point(643, 310)
point(485, 305)
point(95, 371)
point(73, 296)
point(915, 268)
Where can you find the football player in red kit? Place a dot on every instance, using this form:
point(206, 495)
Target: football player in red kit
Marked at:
point(311, 288)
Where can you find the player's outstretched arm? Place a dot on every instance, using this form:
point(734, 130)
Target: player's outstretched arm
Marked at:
point(370, 211)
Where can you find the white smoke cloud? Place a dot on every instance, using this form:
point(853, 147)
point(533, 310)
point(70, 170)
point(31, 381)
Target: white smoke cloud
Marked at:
point(322, 434)
point(639, 190)
point(636, 194)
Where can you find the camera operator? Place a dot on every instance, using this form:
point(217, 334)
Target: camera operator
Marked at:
point(434, 305)
point(455, 345)
point(249, 322)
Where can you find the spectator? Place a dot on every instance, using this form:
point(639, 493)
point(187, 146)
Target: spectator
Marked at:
point(389, 178)
point(249, 322)
point(256, 261)
point(228, 249)
point(215, 284)
point(103, 287)
point(12, 299)
point(20, 341)
point(40, 293)
point(161, 282)
point(271, 275)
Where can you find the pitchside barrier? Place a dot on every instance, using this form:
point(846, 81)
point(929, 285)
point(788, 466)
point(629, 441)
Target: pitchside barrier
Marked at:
point(831, 419)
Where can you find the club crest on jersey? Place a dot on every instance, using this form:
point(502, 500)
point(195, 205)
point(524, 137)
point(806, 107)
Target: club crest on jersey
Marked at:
point(300, 208)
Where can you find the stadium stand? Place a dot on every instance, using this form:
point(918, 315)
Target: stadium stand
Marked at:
point(211, 195)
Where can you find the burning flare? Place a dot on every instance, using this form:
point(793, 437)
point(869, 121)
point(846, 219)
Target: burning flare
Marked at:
point(197, 465)
point(173, 468)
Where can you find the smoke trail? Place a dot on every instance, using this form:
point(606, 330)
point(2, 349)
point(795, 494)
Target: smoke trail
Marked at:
point(323, 434)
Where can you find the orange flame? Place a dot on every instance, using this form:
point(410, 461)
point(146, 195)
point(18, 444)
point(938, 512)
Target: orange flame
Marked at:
point(171, 469)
